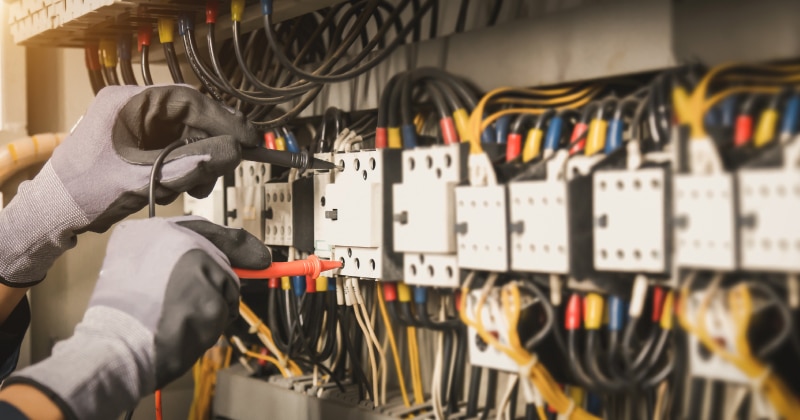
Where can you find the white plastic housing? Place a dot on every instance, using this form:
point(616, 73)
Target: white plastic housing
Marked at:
point(540, 236)
point(769, 205)
point(482, 228)
point(437, 270)
point(278, 220)
point(211, 207)
point(629, 213)
point(704, 221)
point(480, 352)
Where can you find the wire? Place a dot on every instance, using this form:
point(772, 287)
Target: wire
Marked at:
point(393, 343)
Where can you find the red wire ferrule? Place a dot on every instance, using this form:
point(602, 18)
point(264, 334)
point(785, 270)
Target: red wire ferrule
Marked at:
point(743, 130)
point(389, 292)
point(572, 318)
point(311, 284)
point(212, 10)
point(144, 36)
point(658, 303)
point(449, 133)
point(381, 138)
point(513, 146)
point(269, 140)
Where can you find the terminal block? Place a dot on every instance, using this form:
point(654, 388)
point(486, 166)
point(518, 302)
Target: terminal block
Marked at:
point(424, 213)
point(358, 209)
point(277, 214)
point(630, 213)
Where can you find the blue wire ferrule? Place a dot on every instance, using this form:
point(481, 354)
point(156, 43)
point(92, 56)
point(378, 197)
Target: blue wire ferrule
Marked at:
point(420, 295)
point(614, 135)
point(616, 313)
point(266, 7)
point(291, 142)
point(124, 48)
point(501, 128)
point(728, 111)
point(332, 284)
point(409, 134)
point(298, 285)
point(553, 137)
point(791, 116)
point(185, 24)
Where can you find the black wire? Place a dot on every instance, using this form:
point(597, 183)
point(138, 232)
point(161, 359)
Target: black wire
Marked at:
point(461, 22)
point(146, 77)
point(433, 31)
point(126, 68)
point(172, 62)
point(474, 389)
point(495, 13)
point(111, 75)
point(491, 394)
point(129, 415)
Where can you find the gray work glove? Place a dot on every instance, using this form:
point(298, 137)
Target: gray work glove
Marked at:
point(100, 173)
point(165, 294)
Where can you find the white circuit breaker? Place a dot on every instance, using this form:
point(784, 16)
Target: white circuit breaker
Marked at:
point(246, 199)
point(277, 214)
point(540, 228)
point(424, 214)
point(482, 227)
point(480, 352)
point(769, 205)
point(211, 207)
point(705, 221)
point(358, 209)
point(630, 214)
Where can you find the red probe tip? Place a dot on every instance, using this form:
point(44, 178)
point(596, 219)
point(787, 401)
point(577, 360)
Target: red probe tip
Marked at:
point(310, 267)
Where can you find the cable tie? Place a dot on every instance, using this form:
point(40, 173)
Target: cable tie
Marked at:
point(254, 327)
point(567, 414)
point(758, 382)
point(525, 370)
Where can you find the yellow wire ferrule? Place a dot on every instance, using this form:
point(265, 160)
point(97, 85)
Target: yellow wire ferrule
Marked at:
point(403, 292)
point(666, 313)
point(166, 30)
point(765, 131)
point(286, 284)
point(596, 136)
point(108, 50)
point(680, 102)
point(322, 284)
point(395, 138)
point(237, 10)
point(593, 316)
point(533, 144)
point(280, 143)
point(461, 118)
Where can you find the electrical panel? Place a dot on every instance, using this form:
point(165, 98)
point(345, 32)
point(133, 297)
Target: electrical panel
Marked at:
point(482, 228)
point(358, 207)
point(246, 200)
point(630, 215)
point(211, 207)
point(424, 214)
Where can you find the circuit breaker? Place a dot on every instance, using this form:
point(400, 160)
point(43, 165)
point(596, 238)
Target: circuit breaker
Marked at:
point(630, 213)
point(424, 214)
point(705, 221)
point(769, 204)
point(358, 209)
point(277, 214)
point(482, 227)
point(246, 200)
point(539, 226)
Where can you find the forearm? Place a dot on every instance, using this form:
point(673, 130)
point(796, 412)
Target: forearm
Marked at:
point(9, 299)
point(31, 402)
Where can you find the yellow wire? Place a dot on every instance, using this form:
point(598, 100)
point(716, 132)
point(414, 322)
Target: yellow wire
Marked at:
point(252, 319)
point(416, 373)
point(393, 344)
point(539, 375)
point(740, 304)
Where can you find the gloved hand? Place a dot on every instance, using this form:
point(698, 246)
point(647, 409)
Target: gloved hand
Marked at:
point(165, 294)
point(100, 173)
